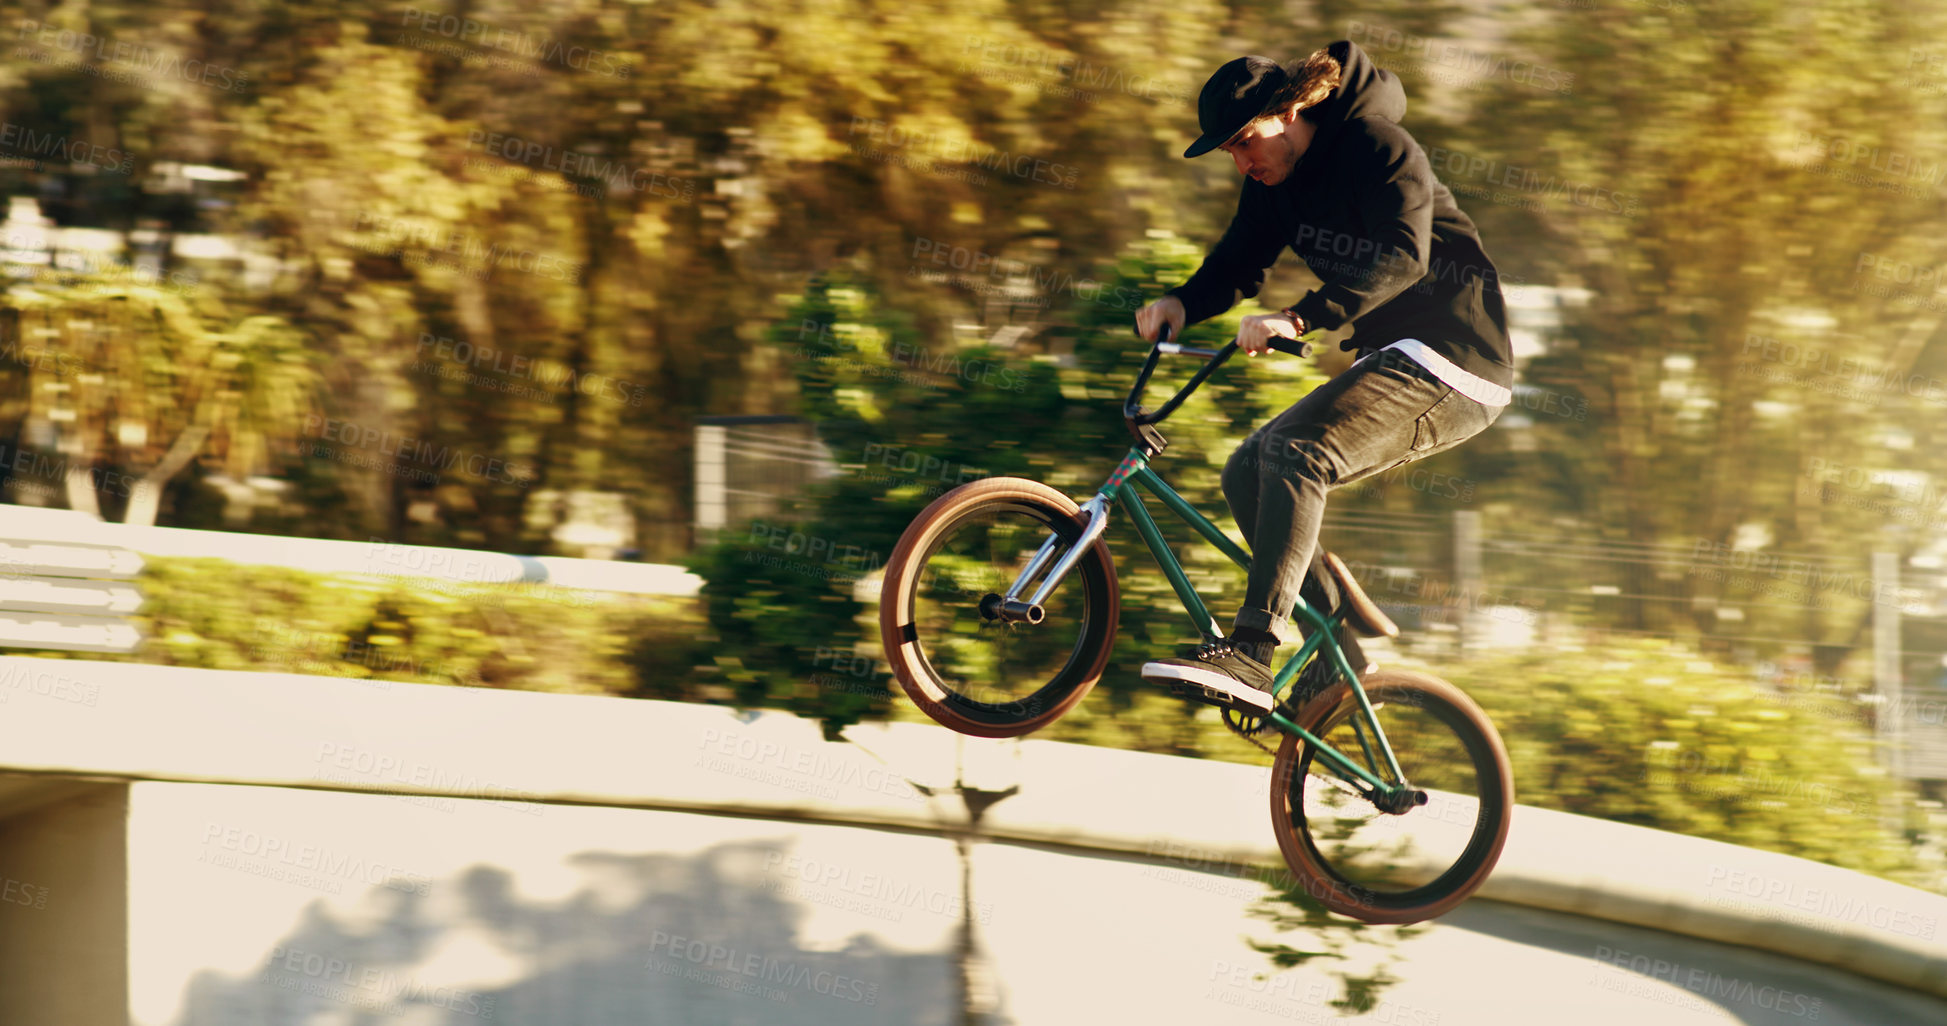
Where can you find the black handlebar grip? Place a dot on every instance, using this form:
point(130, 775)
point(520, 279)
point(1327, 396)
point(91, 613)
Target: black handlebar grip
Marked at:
point(1292, 346)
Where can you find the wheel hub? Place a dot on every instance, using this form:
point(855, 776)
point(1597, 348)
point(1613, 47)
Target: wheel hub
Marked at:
point(994, 607)
point(1401, 802)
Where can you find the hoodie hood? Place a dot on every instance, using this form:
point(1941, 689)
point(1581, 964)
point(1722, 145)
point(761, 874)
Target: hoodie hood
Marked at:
point(1364, 91)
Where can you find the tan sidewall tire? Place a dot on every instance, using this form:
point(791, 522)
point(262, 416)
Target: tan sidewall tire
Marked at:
point(1316, 879)
point(895, 606)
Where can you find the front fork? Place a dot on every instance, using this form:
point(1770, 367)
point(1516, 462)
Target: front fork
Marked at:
point(1011, 608)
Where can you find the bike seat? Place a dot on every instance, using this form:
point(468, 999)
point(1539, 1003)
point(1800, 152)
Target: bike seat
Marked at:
point(1362, 614)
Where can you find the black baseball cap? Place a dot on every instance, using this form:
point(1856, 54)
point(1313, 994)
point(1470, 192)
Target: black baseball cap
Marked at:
point(1234, 95)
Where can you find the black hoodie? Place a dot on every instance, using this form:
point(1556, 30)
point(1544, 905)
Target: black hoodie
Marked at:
point(1395, 255)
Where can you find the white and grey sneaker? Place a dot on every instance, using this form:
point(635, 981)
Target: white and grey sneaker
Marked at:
point(1218, 674)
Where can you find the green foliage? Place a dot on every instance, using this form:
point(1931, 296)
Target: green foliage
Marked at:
point(1645, 733)
point(781, 634)
point(220, 615)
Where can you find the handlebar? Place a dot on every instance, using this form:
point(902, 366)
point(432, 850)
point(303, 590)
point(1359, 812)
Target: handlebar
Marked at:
point(1132, 407)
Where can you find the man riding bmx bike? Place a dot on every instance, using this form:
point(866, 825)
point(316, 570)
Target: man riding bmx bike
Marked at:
point(1332, 175)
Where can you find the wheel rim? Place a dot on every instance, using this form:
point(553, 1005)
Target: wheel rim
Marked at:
point(1425, 853)
point(985, 669)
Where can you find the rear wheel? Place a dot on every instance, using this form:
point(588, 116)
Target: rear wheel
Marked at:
point(1420, 860)
point(957, 657)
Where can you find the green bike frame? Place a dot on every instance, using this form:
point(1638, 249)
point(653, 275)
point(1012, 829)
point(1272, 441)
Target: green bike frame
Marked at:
point(1134, 475)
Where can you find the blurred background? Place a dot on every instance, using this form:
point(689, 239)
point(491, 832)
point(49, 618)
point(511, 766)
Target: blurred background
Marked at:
point(742, 287)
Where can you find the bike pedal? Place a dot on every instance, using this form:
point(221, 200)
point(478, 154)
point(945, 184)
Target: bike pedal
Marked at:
point(1212, 696)
point(1209, 696)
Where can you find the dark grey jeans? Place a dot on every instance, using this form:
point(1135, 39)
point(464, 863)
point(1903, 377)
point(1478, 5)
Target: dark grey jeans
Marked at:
point(1382, 412)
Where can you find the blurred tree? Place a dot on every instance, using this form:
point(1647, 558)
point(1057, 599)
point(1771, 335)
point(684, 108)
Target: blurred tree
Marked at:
point(715, 153)
point(132, 382)
point(1718, 178)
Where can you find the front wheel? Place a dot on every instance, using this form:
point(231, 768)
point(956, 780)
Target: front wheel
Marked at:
point(1418, 861)
point(957, 658)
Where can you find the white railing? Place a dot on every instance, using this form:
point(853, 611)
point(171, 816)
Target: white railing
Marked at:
point(65, 594)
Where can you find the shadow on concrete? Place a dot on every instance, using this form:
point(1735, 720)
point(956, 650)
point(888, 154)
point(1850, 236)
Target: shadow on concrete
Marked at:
point(644, 939)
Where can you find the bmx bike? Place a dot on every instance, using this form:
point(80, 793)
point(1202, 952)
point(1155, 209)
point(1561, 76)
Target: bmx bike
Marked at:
point(1391, 791)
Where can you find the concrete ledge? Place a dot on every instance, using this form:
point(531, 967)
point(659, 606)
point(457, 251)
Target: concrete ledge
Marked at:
point(141, 722)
